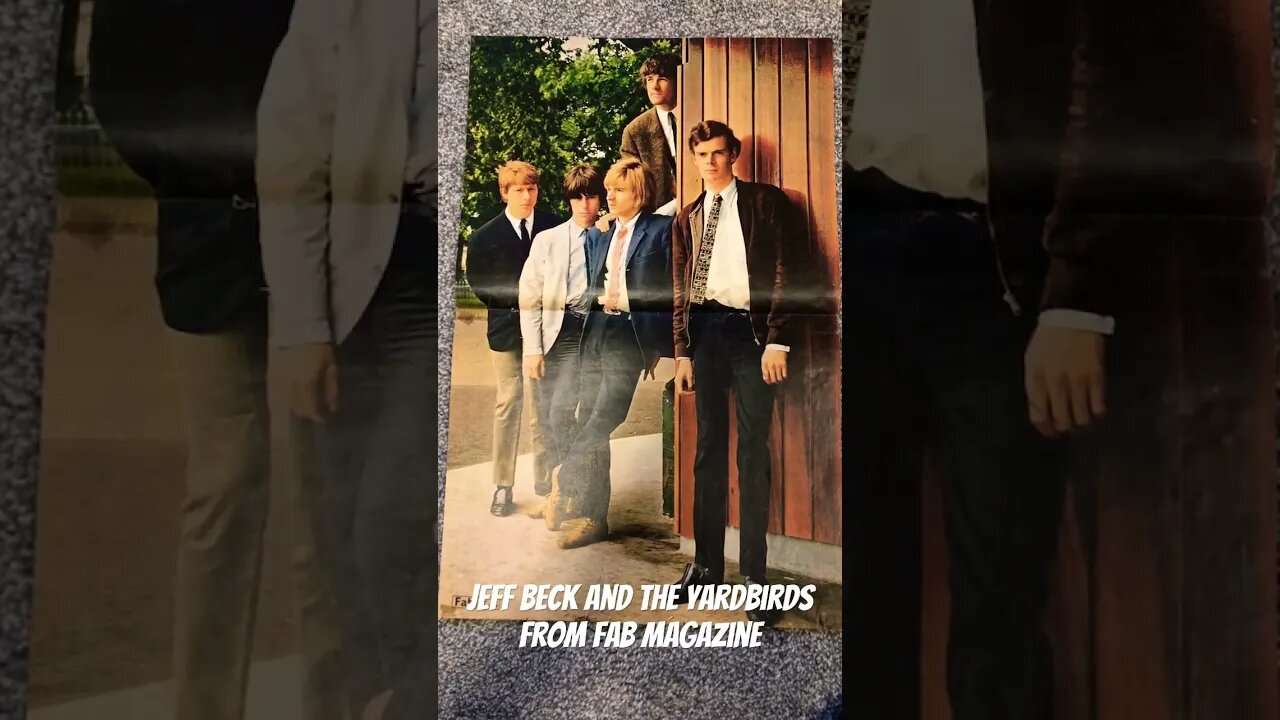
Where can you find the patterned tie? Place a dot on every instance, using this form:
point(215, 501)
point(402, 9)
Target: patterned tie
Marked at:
point(524, 233)
point(615, 260)
point(703, 262)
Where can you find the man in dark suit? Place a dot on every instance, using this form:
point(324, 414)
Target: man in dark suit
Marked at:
point(738, 254)
point(626, 332)
point(496, 254)
point(653, 136)
point(1025, 218)
point(175, 88)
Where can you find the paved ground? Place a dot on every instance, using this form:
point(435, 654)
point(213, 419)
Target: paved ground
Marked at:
point(471, 404)
point(642, 549)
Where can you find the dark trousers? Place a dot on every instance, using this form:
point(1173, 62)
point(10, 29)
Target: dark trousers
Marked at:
point(558, 390)
point(726, 355)
point(937, 360)
point(376, 483)
point(610, 370)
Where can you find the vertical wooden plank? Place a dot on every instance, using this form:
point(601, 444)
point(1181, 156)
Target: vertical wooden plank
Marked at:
point(767, 120)
point(824, 347)
point(690, 114)
point(715, 89)
point(767, 170)
point(740, 115)
point(794, 165)
point(686, 449)
point(689, 184)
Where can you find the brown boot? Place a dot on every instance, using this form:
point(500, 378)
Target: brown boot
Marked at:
point(553, 511)
point(581, 532)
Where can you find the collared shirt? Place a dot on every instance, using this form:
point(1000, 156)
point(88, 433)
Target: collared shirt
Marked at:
point(623, 303)
point(663, 120)
point(727, 280)
point(673, 144)
point(515, 223)
point(423, 160)
point(918, 114)
point(577, 296)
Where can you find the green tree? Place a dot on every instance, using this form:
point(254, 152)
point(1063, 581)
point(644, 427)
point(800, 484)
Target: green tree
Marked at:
point(535, 100)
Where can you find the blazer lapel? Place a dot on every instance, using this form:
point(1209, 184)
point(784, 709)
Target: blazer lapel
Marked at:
point(597, 252)
point(634, 243)
point(660, 135)
point(746, 214)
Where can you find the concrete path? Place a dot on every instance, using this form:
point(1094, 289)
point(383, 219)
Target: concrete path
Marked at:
point(642, 548)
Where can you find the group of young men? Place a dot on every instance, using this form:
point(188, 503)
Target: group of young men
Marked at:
point(585, 308)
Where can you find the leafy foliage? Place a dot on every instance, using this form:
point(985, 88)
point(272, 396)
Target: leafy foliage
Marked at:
point(549, 103)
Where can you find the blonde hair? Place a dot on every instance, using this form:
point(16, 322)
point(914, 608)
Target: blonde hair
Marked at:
point(631, 174)
point(516, 172)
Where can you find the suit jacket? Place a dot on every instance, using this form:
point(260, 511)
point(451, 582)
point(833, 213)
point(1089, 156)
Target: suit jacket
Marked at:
point(778, 263)
point(334, 139)
point(644, 140)
point(648, 273)
point(544, 287)
point(495, 258)
point(175, 86)
point(1169, 109)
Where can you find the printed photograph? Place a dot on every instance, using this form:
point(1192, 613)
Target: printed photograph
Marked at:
point(236, 507)
point(1063, 400)
point(646, 362)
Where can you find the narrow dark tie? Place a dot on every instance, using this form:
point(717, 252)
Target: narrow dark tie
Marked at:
point(702, 264)
point(675, 134)
point(524, 232)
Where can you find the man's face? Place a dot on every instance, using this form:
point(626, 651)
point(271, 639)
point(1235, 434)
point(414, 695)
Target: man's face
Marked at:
point(622, 201)
point(715, 163)
point(585, 209)
point(520, 199)
point(661, 90)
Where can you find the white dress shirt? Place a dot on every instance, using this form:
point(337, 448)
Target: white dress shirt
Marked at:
point(918, 116)
point(623, 303)
point(673, 145)
point(576, 298)
point(515, 223)
point(728, 281)
point(663, 120)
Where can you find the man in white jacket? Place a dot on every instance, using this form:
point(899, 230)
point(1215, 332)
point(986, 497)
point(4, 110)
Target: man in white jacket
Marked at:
point(554, 300)
point(346, 171)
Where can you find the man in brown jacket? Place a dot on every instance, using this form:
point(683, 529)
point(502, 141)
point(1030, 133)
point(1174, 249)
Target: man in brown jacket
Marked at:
point(653, 136)
point(1072, 245)
point(737, 256)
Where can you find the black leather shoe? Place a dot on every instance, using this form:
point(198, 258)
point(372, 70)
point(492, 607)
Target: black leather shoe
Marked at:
point(502, 505)
point(768, 617)
point(693, 575)
point(542, 486)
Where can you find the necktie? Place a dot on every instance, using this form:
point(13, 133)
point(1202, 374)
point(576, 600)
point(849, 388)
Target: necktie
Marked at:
point(671, 120)
point(524, 232)
point(702, 264)
point(576, 276)
point(615, 272)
